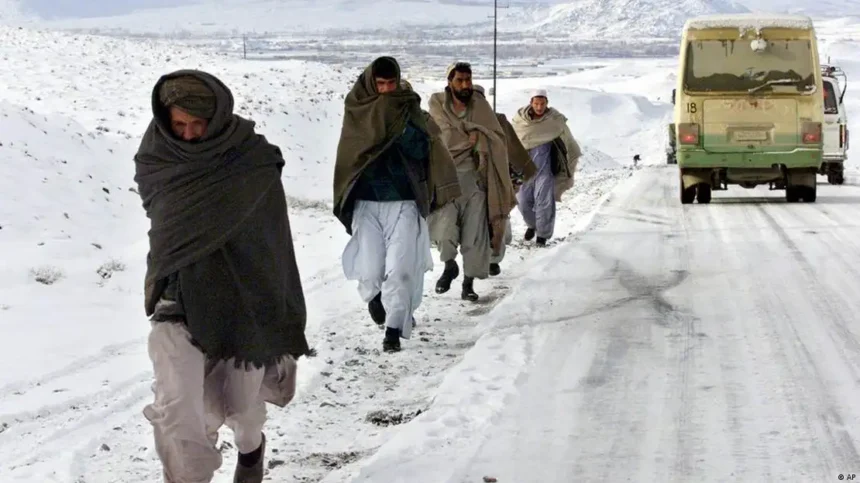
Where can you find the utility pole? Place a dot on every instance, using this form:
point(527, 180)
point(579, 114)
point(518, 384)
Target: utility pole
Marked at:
point(495, 47)
point(495, 40)
point(244, 46)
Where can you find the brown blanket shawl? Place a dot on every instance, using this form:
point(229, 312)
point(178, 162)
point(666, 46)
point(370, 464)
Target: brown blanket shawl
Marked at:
point(219, 219)
point(518, 157)
point(545, 129)
point(371, 123)
point(492, 154)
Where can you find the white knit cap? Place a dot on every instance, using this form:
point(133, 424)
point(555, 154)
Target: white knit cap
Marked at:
point(538, 93)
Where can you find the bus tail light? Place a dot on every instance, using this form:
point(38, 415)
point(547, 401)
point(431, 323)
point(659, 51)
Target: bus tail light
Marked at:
point(811, 133)
point(688, 134)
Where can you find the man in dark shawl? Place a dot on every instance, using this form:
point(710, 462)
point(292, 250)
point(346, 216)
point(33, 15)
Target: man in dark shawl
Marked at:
point(222, 286)
point(392, 171)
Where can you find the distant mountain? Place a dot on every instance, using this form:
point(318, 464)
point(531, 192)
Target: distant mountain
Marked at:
point(616, 19)
point(218, 16)
point(628, 20)
point(816, 8)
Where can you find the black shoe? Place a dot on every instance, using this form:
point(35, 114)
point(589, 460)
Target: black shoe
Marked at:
point(377, 311)
point(252, 473)
point(391, 342)
point(530, 233)
point(451, 272)
point(469, 292)
point(495, 269)
point(541, 242)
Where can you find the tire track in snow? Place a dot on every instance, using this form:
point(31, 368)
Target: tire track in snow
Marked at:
point(847, 263)
point(818, 398)
point(72, 369)
point(733, 347)
point(46, 433)
point(684, 330)
point(825, 301)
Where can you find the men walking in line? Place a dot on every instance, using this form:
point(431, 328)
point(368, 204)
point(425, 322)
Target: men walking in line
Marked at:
point(391, 172)
point(222, 286)
point(544, 133)
point(476, 222)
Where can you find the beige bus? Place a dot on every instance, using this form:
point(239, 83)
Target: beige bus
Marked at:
point(748, 106)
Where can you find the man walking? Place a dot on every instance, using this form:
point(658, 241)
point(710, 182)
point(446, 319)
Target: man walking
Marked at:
point(543, 131)
point(477, 220)
point(222, 286)
point(391, 172)
point(521, 169)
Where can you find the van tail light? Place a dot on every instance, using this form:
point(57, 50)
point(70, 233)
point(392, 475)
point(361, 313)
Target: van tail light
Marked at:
point(843, 136)
point(811, 133)
point(688, 134)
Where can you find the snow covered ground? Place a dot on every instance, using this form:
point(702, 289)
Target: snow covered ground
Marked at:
point(71, 318)
point(583, 316)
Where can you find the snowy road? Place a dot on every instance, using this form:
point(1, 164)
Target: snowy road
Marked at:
point(699, 343)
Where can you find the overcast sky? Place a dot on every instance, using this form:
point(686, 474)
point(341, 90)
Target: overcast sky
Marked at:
point(93, 8)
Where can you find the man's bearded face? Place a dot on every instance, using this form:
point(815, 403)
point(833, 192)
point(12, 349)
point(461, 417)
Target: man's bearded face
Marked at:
point(461, 86)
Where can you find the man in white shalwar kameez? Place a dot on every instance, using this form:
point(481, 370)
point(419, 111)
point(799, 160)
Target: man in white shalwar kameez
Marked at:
point(392, 171)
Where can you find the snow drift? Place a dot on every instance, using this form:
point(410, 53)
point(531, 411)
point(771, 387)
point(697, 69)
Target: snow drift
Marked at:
point(106, 84)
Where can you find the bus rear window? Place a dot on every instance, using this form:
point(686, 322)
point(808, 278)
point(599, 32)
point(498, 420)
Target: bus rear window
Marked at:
point(786, 66)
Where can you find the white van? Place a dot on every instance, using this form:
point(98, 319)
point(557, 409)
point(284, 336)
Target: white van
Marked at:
point(835, 129)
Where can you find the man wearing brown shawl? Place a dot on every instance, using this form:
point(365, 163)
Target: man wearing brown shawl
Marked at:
point(522, 170)
point(391, 172)
point(222, 286)
point(477, 220)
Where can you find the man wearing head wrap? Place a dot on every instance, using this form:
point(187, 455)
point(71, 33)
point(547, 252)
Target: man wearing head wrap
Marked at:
point(391, 172)
point(222, 286)
point(543, 131)
point(476, 222)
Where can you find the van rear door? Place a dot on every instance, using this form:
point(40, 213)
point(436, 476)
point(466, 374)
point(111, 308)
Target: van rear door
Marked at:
point(832, 129)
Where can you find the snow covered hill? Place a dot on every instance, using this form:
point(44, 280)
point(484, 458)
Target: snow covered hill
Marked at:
point(615, 19)
point(822, 8)
point(11, 12)
point(285, 16)
point(106, 83)
point(632, 19)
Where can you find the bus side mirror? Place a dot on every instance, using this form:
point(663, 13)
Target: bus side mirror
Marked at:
point(673, 96)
